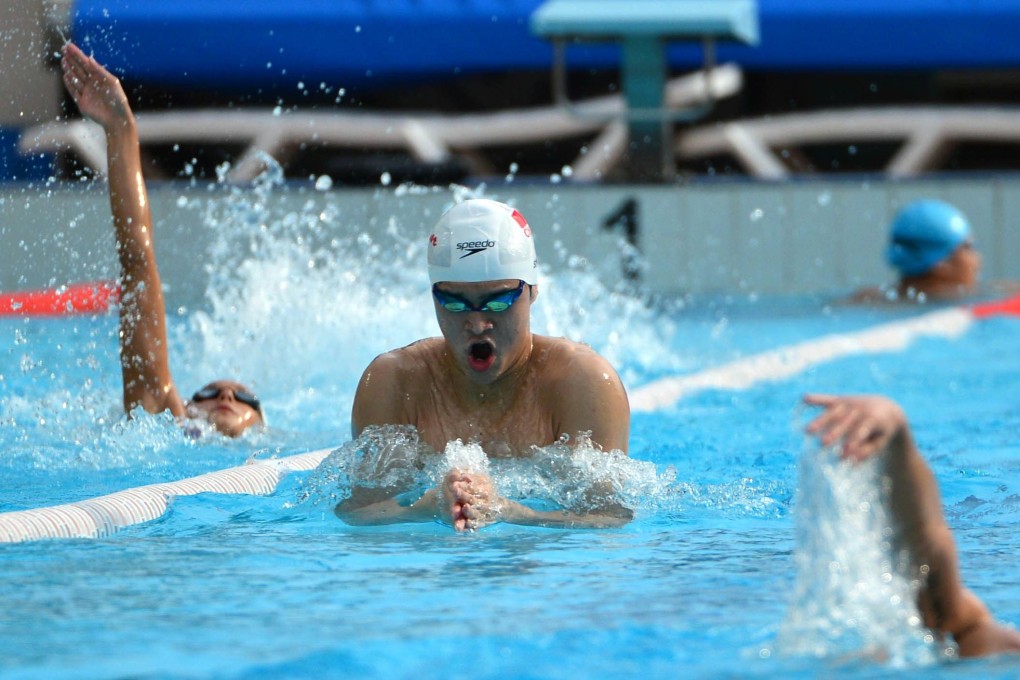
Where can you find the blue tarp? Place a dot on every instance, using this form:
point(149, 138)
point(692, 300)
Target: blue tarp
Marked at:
point(238, 44)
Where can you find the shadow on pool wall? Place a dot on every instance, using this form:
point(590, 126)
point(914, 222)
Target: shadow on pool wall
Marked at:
point(724, 237)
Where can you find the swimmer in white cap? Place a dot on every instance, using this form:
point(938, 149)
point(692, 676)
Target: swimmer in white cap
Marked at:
point(230, 407)
point(871, 425)
point(488, 379)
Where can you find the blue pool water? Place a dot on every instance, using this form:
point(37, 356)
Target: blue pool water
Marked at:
point(712, 578)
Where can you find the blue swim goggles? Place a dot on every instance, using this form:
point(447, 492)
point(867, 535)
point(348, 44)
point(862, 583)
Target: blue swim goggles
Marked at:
point(500, 302)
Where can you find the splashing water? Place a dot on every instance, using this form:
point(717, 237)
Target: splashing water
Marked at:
point(390, 457)
point(303, 292)
point(320, 293)
point(294, 297)
point(578, 476)
point(851, 597)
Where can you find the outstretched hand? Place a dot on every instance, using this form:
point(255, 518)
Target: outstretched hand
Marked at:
point(96, 91)
point(865, 424)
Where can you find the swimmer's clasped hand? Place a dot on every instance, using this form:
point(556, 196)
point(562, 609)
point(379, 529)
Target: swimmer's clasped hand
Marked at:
point(469, 500)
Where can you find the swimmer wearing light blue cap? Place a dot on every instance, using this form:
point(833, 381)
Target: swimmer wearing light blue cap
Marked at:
point(487, 380)
point(931, 246)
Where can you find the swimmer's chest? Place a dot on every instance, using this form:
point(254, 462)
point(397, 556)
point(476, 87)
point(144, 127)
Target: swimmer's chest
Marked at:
point(502, 429)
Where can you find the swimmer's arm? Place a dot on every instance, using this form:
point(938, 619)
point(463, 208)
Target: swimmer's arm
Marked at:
point(945, 603)
point(605, 518)
point(591, 398)
point(375, 400)
point(603, 512)
point(143, 344)
point(376, 403)
point(871, 425)
point(363, 510)
point(371, 507)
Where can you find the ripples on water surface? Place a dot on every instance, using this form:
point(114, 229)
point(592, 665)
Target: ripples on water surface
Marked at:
point(700, 583)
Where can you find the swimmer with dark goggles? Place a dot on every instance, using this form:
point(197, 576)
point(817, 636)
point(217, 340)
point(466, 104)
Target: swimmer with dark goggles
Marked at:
point(228, 406)
point(243, 396)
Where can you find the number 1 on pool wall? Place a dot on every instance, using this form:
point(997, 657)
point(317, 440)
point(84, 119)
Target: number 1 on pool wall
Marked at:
point(626, 217)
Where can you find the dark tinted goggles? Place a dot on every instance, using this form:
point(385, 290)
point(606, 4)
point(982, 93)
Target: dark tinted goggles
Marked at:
point(242, 396)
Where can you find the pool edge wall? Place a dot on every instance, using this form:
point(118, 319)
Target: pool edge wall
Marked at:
point(739, 237)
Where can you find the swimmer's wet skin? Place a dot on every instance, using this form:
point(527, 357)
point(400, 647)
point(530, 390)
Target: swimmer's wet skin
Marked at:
point(488, 379)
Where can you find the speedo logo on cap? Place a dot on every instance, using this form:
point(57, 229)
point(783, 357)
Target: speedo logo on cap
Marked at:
point(474, 247)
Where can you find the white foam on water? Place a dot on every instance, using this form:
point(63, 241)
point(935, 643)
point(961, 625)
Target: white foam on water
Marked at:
point(577, 476)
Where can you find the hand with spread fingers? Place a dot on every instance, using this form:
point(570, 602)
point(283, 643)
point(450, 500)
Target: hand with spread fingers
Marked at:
point(864, 424)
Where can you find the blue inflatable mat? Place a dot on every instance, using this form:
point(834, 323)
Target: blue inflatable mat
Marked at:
point(267, 43)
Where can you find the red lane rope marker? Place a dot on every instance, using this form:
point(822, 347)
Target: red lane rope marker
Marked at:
point(91, 297)
point(787, 361)
point(1008, 307)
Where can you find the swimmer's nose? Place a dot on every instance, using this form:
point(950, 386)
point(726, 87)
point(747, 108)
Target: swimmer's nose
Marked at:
point(226, 394)
point(477, 323)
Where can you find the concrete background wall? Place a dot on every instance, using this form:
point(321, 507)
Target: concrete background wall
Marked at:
point(719, 237)
point(30, 89)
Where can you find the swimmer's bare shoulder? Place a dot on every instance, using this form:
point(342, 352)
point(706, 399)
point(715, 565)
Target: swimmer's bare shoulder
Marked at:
point(391, 384)
point(582, 391)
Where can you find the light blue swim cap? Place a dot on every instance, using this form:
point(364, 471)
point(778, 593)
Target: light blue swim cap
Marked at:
point(923, 234)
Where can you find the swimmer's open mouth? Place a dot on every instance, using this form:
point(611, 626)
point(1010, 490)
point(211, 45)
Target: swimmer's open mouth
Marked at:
point(481, 356)
point(480, 351)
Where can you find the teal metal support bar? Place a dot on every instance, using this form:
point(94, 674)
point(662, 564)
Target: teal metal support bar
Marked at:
point(650, 142)
point(643, 27)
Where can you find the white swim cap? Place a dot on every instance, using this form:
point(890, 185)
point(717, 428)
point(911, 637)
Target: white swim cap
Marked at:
point(482, 240)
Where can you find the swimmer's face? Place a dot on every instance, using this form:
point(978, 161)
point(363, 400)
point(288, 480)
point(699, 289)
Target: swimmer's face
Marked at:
point(964, 266)
point(227, 405)
point(485, 344)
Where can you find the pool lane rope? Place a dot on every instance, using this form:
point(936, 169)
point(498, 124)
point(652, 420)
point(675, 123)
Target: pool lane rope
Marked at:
point(105, 515)
point(789, 360)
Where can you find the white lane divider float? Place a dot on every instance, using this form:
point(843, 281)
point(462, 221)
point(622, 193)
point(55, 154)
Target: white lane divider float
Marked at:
point(102, 516)
point(790, 360)
point(105, 515)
